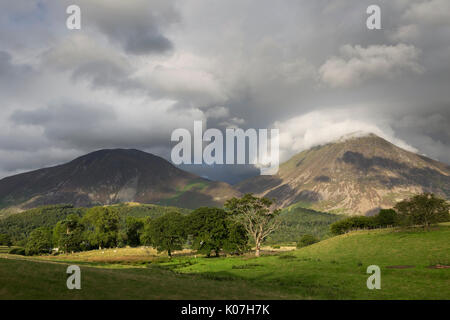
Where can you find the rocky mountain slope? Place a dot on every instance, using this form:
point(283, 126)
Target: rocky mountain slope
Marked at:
point(354, 175)
point(112, 176)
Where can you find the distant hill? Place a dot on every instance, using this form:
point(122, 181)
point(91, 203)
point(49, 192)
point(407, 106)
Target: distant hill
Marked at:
point(297, 221)
point(354, 175)
point(112, 176)
point(18, 226)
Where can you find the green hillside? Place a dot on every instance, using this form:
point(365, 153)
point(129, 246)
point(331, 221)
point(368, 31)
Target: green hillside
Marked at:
point(20, 225)
point(297, 221)
point(331, 269)
point(336, 268)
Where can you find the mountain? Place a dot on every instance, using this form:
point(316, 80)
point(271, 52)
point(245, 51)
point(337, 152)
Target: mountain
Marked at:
point(354, 175)
point(112, 176)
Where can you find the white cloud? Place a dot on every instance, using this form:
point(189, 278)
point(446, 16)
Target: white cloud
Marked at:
point(430, 12)
point(357, 64)
point(217, 112)
point(151, 65)
point(405, 33)
point(320, 127)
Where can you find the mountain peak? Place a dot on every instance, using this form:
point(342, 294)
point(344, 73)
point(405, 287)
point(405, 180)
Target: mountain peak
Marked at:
point(357, 134)
point(356, 174)
point(110, 176)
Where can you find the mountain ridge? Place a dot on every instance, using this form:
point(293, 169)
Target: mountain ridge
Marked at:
point(109, 176)
point(356, 175)
point(352, 175)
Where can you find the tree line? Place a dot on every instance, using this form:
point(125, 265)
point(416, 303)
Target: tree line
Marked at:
point(208, 230)
point(242, 223)
point(420, 210)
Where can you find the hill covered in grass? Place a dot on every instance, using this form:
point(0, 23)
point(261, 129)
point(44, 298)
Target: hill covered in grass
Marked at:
point(18, 226)
point(336, 268)
point(297, 221)
point(331, 269)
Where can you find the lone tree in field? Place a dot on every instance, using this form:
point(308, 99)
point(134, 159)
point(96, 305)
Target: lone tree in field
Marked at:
point(256, 216)
point(423, 209)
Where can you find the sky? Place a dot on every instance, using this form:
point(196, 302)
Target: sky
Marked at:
point(138, 69)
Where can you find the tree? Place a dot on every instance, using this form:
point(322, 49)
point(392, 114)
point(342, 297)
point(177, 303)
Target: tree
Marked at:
point(209, 228)
point(353, 223)
point(423, 209)
point(39, 241)
point(133, 230)
point(168, 233)
point(103, 227)
point(146, 236)
point(68, 234)
point(306, 240)
point(5, 240)
point(256, 216)
point(386, 217)
point(237, 240)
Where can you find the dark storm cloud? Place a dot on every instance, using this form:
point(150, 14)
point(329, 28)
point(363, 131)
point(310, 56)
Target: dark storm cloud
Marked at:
point(71, 123)
point(12, 76)
point(88, 127)
point(136, 25)
point(145, 39)
point(138, 69)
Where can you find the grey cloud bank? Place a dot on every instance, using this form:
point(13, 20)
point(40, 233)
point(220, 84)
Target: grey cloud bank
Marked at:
point(139, 69)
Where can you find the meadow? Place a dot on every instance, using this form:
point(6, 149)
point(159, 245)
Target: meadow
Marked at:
point(414, 265)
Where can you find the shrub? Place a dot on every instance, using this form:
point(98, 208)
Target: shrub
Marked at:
point(5, 240)
point(39, 241)
point(386, 217)
point(306, 240)
point(353, 223)
point(423, 209)
point(19, 251)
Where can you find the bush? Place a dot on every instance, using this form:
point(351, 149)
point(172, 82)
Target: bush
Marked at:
point(386, 217)
point(306, 240)
point(19, 251)
point(5, 240)
point(39, 241)
point(353, 223)
point(423, 209)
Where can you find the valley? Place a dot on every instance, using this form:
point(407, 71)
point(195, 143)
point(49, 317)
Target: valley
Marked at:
point(331, 269)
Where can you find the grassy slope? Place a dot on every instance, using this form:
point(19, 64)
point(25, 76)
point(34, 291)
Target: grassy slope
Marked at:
point(332, 269)
point(336, 268)
point(40, 280)
point(297, 221)
point(20, 225)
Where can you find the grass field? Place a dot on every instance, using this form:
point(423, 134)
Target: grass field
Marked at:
point(4, 249)
point(331, 269)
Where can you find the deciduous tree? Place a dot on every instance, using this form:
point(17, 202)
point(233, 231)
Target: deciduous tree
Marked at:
point(256, 216)
point(423, 209)
point(168, 233)
point(39, 241)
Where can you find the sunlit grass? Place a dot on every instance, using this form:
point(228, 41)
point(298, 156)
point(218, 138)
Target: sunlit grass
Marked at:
point(331, 269)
